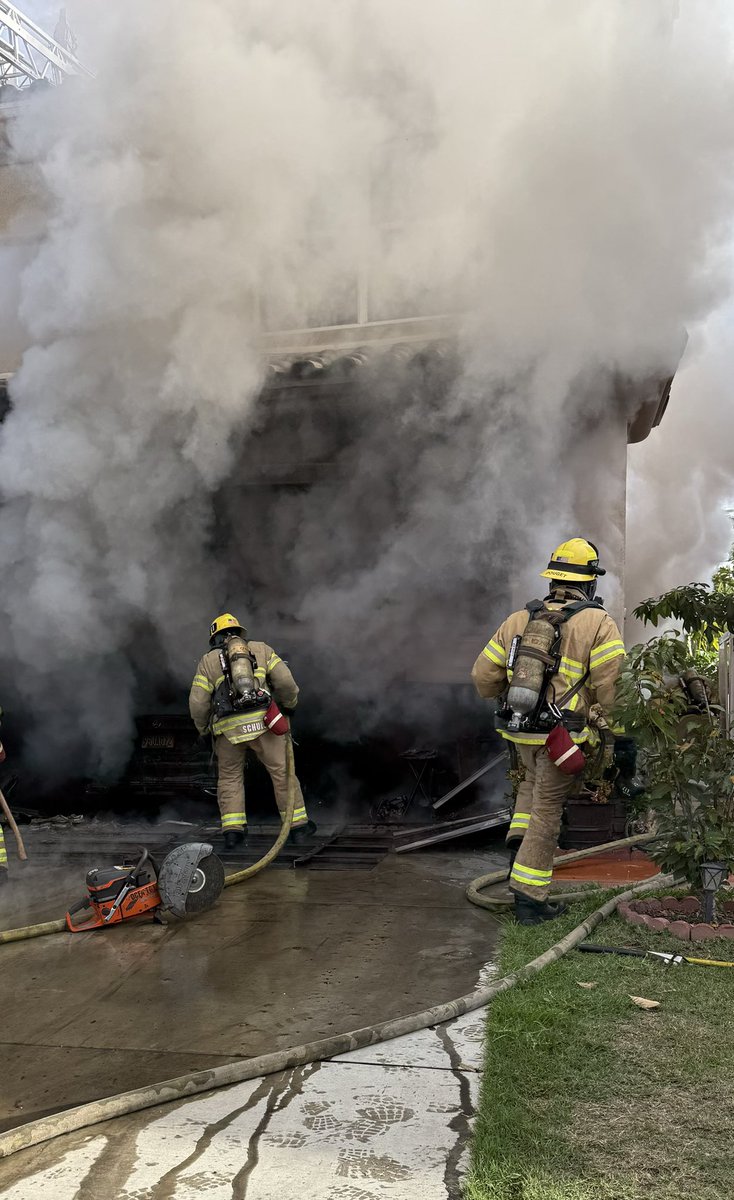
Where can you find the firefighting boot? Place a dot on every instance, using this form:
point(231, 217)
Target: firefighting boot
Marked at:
point(535, 912)
point(302, 833)
point(234, 838)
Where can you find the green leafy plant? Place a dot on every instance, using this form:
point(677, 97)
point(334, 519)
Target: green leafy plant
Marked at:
point(705, 610)
point(689, 761)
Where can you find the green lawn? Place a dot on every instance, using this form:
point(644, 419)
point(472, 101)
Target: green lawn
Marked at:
point(585, 1096)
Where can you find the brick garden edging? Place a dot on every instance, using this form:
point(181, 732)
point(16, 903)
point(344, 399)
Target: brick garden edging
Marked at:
point(668, 915)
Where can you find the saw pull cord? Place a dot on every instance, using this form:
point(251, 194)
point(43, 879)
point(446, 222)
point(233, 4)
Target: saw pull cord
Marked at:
point(494, 903)
point(31, 931)
point(277, 846)
point(85, 1115)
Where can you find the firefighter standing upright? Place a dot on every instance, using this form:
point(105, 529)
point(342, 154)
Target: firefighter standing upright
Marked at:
point(223, 674)
point(550, 663)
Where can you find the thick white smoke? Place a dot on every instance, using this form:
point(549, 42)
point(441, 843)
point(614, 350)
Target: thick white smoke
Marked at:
point(681, 482)
point(561, 172)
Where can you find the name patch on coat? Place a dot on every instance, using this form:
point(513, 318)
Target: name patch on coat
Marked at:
point(253, 727)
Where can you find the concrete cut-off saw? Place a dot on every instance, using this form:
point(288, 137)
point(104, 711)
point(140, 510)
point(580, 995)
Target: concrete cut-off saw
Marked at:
point(189, 880)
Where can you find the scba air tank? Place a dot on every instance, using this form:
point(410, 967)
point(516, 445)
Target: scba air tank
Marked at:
point(240, 665)
point(528, 674)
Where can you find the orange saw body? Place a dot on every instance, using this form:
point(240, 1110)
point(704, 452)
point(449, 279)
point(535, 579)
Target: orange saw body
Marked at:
point(190, 880)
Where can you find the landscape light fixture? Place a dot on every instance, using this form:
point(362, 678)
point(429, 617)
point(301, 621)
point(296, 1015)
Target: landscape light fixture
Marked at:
point(713, 876)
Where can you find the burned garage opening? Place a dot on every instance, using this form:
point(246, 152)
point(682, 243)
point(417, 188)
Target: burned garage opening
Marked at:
point(380, 504)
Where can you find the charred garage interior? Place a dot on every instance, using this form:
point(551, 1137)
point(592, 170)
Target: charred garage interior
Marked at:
point(343, 436)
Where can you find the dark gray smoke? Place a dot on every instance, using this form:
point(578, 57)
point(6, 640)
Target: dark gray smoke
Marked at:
point(562, 173)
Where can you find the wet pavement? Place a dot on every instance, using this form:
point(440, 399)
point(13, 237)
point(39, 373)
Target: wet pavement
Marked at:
point(390, 1122)
point(285, 958)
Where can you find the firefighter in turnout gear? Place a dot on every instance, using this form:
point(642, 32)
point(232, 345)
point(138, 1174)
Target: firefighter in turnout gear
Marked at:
point(550, 663)
point(235, 729)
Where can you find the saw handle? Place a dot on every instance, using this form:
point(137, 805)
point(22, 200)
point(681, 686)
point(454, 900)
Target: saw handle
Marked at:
point(592, 948)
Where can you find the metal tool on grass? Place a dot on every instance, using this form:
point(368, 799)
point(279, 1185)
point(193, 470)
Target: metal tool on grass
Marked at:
point(16, 832)
point(670, 960)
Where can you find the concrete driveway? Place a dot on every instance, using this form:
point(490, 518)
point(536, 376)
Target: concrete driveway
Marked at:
point(289, 957)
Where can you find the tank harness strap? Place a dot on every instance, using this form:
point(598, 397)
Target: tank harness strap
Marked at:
point(549, 660)
point(569, 695)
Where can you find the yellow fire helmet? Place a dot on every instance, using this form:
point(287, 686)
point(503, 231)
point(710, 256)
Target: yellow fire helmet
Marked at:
point(575, 561)
point(225, 621)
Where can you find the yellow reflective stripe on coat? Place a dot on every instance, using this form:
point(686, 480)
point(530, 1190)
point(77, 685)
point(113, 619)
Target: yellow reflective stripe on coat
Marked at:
point(219, 679)
point(259, 673)
point(495, 653)
point(273, 661)
point(606, 652)
point(530, 877)
point(202, 682)
point(572, 666)
point(539, 739)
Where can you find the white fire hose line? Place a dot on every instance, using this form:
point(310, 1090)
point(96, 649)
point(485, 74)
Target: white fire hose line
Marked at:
point(46, 1128)
point(495, 903)
point(83, 1116)
point(389, 1120)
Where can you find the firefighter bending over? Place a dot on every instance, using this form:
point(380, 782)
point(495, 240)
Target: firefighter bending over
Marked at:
point(232, 696)
point(550, 663)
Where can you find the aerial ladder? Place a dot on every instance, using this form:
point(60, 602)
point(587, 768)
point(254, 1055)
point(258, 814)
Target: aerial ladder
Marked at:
point(28, 55)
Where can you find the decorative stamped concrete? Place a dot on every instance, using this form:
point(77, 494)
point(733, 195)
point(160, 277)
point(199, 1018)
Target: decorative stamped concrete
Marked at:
point(675, 915)
point(391, 1122)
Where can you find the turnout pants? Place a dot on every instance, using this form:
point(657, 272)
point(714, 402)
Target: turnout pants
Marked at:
point(536, 821)
point(270, 749)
